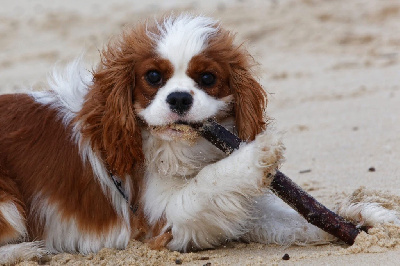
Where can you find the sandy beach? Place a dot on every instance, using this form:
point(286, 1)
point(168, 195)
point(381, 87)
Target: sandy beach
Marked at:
point(332, 71)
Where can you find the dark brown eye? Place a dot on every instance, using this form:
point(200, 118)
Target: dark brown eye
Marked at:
point(154, 77)
point(207, 79)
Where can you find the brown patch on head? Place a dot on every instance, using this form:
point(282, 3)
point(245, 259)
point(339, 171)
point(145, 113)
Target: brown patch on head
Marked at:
point(200, 65)
point(231, 64)
point(144, 92)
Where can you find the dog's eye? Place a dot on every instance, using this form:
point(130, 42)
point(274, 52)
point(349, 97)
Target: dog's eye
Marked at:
point(207, 79)
point(154, 77)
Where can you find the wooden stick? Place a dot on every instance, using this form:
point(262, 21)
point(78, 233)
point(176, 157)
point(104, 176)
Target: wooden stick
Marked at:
point(313, 211)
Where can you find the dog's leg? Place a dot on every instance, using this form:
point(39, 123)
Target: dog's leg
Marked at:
point(12, 214)
point(215, 205)
point(370, 210)
point(276, 222)
point(13, 226)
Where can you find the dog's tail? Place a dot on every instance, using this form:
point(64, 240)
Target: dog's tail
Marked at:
point(13, 253)
point(371, 208)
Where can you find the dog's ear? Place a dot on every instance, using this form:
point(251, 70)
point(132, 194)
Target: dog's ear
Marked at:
point(250, 101)
point(108, 119)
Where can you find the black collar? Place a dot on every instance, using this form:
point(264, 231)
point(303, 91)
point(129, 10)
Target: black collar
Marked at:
point(118, 185)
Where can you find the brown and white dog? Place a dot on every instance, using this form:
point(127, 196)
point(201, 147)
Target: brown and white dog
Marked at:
point(104, 156)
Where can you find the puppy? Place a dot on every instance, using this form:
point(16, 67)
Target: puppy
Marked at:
point(106, 156)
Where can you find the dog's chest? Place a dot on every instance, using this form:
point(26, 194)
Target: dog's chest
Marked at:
point(177, 158)
point(170, 166)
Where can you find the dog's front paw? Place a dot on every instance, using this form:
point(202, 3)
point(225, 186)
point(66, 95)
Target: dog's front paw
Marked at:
point(269, 154)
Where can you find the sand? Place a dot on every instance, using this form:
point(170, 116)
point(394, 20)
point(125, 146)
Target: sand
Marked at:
point(332, 70)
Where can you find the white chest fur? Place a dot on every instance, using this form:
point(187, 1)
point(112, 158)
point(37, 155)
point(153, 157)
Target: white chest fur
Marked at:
point(170, 165)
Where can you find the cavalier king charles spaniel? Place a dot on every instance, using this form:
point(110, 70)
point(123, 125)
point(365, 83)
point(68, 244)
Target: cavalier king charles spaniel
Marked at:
point(107, 155)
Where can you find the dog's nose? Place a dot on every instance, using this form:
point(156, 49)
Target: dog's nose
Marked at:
point(179, 102)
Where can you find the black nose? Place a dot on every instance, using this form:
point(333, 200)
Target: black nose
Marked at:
point(180, 102)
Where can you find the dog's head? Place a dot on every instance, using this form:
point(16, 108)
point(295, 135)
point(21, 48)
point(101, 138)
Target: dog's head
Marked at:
point(179, 70)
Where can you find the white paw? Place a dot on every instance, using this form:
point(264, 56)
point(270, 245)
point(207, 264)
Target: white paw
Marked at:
point(269, 155)
point(250, 168)
point(13, 253)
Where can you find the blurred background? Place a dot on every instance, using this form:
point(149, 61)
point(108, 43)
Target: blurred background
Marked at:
point(331, 68)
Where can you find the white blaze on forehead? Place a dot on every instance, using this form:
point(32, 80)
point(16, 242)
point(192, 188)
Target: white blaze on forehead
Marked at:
point(178, 40)
point(183, 37)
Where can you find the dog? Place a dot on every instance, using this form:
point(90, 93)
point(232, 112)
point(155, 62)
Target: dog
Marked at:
point(108, 155)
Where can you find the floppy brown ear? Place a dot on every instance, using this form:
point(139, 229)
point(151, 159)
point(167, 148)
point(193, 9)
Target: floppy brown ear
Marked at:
point(250, 99)
point(250, 103)
point(107, 118)
point(109, 122)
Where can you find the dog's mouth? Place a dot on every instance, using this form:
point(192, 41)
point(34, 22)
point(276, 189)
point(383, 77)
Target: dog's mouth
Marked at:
point(179, 130)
